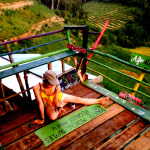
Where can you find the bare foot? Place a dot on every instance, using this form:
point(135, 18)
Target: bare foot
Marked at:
point(102, 100)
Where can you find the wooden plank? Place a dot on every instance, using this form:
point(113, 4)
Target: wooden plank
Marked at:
point(18, 112)
point(75, 89)
point(23, 130)
point(102, 132)
point(61, 127)
point(130, 106)
point(36, 63)
point(128, 134)
point(18, 121)
point(142, 143)
point(76, 134)
point(31, 140)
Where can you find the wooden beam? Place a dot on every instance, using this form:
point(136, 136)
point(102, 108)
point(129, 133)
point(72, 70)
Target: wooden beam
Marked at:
point(130, 106)
point(17, 75)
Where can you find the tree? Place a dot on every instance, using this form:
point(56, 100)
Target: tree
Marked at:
point(52, 5)
point(146, 16)
point(58, 4)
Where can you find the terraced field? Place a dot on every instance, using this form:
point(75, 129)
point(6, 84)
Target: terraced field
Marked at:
point(116, 19)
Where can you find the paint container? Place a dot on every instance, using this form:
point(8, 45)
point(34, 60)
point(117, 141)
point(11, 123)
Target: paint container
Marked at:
point(72, 106)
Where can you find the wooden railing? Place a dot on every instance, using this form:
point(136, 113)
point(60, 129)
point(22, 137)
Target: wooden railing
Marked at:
point(21, 66)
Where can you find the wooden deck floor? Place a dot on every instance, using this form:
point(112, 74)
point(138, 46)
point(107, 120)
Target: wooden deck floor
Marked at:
point(112, 130)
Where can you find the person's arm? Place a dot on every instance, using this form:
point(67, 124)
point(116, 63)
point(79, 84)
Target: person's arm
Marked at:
point(56, 102)
point(41, 105)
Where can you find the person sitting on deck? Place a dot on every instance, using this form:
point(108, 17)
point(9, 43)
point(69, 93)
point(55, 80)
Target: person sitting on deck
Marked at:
point(49, 96)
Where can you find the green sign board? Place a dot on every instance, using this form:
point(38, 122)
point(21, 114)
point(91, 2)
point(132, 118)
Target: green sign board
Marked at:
point(140, 60)
point(55, 130)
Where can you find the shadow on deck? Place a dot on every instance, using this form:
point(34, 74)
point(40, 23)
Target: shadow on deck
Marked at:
point(115, 129)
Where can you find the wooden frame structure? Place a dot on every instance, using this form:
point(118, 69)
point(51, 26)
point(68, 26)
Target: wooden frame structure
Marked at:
point(125, 123)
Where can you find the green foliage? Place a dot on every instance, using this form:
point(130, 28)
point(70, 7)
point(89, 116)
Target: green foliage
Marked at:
point(118, 51)
point(18, 22)
point(132, 35)
point(9, 12)
point(98, 9)
point(10, 1)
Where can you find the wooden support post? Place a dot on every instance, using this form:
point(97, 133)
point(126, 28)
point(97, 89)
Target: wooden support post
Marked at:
point(69, 41)
point(84, 45)
point(17, 75)
point(63, 65)
point(27, 84)
point(75, 61)
point(138, 84)
point(49, 66)
point(78, 70)
point(3, 95)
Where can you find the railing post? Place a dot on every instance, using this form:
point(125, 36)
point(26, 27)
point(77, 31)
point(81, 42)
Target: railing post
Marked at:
point(49, 66)
point(84, 45)
point(69, 41)
point(27, 84)
point(17, 75)
point(3, 95)
point(138, 84)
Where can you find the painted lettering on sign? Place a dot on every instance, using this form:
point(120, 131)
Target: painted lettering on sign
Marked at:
point(140, 60)
point(65, 125)
point(76, 48)
point(68, 79)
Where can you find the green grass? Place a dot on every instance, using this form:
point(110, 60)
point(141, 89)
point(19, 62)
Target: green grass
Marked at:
point(99, 12)
point(18, 22)
point(141, 50)
point(123, 80)
point(10, 1)
point(98, 9)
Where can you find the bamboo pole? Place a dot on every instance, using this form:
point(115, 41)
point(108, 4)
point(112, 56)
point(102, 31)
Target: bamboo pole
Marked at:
point(17, 75)
point(63, 65)
point(69, 41)
point(2, 100)
point(35, 58)
point(49, 66)
point(27, 84)
point(3, 95)
point(138, 84)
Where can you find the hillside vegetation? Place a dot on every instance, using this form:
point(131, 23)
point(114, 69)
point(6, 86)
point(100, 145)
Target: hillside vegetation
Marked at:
point(24, 20)
point(99, 12)
point(17, 21)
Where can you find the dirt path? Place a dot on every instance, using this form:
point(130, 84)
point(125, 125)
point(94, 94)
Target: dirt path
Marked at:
point(15, 5)
point(37, 27)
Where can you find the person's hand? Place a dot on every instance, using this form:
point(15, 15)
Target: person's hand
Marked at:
point(61, 110)
point(38, 121)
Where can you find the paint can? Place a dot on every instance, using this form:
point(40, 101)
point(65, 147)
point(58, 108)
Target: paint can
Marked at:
point(72, 106)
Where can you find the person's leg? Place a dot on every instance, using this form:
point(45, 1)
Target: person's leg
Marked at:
point(52, 113)
point(85, 101)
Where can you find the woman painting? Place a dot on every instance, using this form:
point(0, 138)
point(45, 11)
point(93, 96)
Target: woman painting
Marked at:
point(52, 100)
